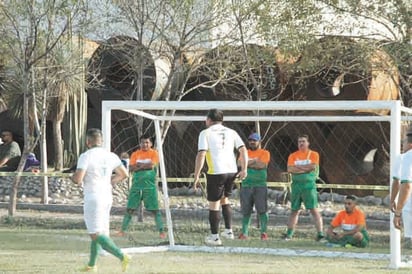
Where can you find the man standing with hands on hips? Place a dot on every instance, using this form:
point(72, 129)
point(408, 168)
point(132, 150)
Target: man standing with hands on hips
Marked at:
point(216, 145)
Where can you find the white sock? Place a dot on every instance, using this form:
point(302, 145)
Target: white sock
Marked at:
point(215, 236)
point(228, 230)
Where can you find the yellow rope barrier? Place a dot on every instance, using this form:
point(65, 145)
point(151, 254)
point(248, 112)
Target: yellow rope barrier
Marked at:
point(35, 174)
point(203, 180)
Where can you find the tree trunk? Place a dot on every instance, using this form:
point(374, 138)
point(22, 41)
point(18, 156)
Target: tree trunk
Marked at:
point(13, 196)
point(58, 145)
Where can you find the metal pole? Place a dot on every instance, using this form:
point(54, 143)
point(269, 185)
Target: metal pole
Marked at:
point(164, 182)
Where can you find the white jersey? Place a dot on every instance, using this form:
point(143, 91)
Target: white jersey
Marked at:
point(406, 167)
point(403, 172)
point(99, 165)
point(219, 142)
point(397, 168)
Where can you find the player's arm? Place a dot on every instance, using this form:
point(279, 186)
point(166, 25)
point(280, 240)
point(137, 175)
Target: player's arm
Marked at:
point(78, 176)
point(120, 173)
point(404, 193)
point(302, 168)
point(331, 233)
point(3, 161)
point(144, 166)
point(394, 193)
point(260, 162)
point(357, 229)
point(199, 163)
point(243, 162)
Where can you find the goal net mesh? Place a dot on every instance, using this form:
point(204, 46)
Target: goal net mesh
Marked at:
point(354, 146)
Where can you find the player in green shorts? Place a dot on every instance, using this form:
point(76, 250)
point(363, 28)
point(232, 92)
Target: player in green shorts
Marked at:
point(352, 224)
point(143, 164)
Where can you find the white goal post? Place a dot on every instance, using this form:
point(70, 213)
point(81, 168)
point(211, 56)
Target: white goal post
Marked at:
point(394, 108)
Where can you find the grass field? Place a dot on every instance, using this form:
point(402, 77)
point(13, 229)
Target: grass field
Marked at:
point(47, 244)
point(28, 250)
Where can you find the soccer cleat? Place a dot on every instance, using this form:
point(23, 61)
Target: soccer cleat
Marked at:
point(286, 238)
point(321, 238)
point(242, 237)
point(228, 235)
point(213, 240)
point(264, 237)
point(88, 268)
point(125, 262)
point(162, 235)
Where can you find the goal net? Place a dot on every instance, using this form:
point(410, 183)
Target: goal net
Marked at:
point(357, 141)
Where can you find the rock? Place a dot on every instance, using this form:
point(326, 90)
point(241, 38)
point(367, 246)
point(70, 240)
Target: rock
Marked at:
point(324, 196)
point(337, 198)
point(328, 212)
point(371, 200)
point(387, 200)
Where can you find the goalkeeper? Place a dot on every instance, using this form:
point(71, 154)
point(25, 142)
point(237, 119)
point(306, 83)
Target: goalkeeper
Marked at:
point(254, 188)
point(216, 145)
point(143, 164)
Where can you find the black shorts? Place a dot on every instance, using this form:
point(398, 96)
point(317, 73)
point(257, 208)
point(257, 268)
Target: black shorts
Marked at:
point(257, 196)
point(219, 186)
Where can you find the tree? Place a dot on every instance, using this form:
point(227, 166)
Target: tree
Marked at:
point(374, 25)
point(33, 35)
point(175, 32)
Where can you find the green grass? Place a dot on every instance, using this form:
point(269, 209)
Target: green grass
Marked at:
point(61, 245)
point(64, 251)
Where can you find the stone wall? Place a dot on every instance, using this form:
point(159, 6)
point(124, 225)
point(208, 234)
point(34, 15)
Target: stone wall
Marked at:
point(64, 191)
point(61, 191)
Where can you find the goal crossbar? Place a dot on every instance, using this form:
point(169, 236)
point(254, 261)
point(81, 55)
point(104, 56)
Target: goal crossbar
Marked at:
point(393, 109)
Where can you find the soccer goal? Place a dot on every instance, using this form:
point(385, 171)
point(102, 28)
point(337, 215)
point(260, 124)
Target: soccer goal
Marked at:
point(353, 138)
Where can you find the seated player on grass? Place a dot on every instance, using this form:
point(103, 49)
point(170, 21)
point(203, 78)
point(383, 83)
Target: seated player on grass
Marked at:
point(351, 224)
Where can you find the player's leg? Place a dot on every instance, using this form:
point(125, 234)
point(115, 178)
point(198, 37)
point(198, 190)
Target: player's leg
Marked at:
point(228, 181)
point(215, 190)
point(310, 200)
point(135, 196)
point(106, 230)
point(89, 213)
point(296, 202)
point(151, 203)
point(246, 206)
point(260, 198)
point(97, 230)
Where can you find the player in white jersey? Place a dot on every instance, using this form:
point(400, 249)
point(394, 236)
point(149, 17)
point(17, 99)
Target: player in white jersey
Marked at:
point(94, 171)
point(404, 206)
point(216, 145)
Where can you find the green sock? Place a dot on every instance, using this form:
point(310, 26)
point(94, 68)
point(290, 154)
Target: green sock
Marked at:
point(126, 221)
point(109, 246)
point(159, 221)
point(320, 234)
point(93, 253)
point(290, 232)
point(245, 224)
point(263, 222)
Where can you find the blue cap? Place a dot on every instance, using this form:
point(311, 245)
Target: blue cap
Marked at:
point(254, 136)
